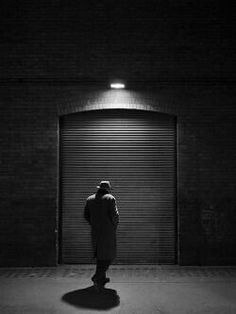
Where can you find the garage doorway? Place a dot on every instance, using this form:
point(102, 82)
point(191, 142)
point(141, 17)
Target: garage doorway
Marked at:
point(136, 151)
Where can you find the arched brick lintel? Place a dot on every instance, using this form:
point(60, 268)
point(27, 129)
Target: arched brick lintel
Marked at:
point(74, 109)
point(110, 100)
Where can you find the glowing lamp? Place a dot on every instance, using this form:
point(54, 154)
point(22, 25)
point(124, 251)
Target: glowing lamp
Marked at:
point(117, 85)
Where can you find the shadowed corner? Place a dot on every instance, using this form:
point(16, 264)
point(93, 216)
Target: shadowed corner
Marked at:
point(91, 299)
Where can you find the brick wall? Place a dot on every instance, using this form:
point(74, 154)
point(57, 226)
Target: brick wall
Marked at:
point(29, 168)
point(135, 40)
point(28, 177)
point(59, 59)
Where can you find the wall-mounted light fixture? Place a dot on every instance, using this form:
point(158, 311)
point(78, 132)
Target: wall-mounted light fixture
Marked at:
point(117, 85)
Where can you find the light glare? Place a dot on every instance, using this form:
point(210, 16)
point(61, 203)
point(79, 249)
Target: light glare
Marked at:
point(117, 85)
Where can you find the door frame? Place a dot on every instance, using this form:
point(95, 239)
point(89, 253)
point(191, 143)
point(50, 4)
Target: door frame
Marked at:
point(59, 219)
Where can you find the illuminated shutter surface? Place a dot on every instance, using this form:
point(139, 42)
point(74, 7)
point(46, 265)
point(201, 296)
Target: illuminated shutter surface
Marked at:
point(136, 151)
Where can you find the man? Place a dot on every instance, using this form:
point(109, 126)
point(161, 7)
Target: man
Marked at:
point(102, 214)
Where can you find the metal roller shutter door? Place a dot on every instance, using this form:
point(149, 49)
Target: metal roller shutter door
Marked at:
point(136, 151)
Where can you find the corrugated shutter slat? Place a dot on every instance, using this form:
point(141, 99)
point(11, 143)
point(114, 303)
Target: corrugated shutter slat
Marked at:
point(136, 151)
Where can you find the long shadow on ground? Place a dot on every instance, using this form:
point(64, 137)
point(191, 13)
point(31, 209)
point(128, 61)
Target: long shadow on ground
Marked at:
point(89, 298)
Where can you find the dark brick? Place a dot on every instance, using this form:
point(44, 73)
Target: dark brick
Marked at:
point(176, 59)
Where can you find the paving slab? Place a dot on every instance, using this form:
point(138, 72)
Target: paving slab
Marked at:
point(133, 289)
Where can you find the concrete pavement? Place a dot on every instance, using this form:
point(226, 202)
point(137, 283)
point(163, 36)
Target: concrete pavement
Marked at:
point(133, 289)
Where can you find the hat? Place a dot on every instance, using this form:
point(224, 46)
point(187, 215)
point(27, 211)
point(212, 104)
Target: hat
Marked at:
point(104, 185)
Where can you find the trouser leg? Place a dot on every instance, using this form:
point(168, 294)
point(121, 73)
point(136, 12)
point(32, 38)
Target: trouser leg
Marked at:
point(101, 268)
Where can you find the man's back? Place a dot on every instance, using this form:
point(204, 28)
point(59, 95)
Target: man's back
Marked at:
point(101, 210)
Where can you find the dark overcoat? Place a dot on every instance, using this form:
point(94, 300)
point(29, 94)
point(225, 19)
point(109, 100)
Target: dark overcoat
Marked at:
point(102, 214)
